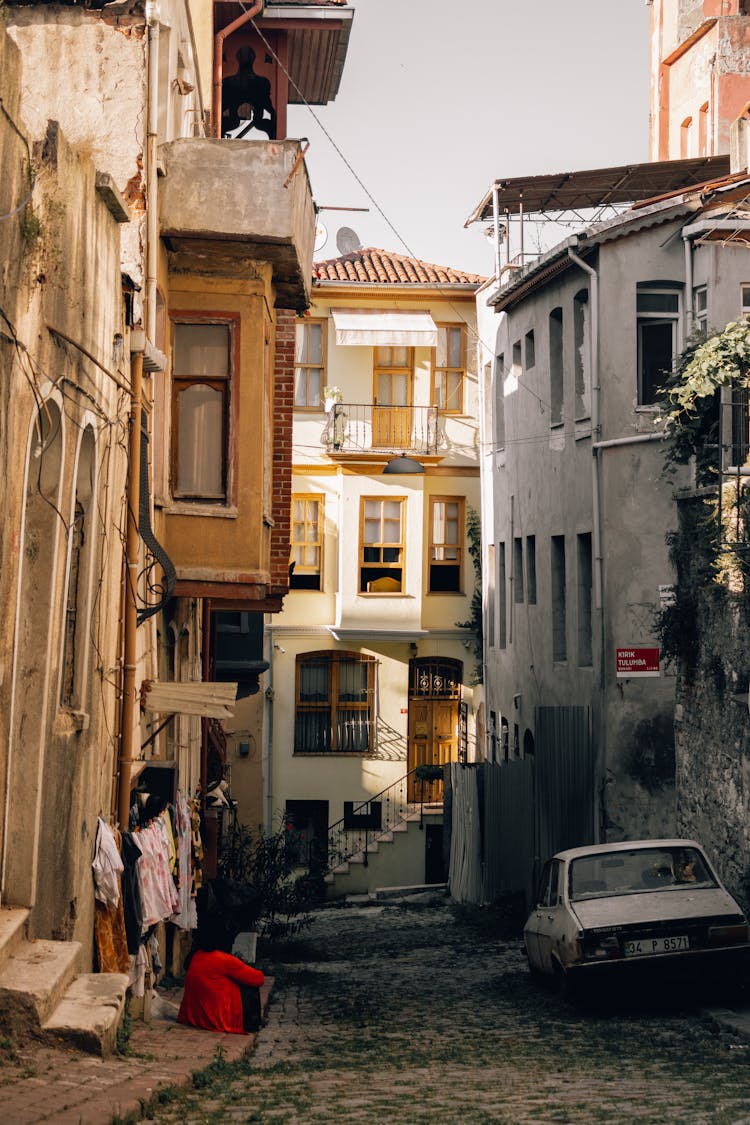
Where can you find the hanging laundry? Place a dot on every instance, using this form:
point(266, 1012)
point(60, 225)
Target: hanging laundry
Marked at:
point(109, 916)
point(107, 865)
point(131, 890)
point(185, 918)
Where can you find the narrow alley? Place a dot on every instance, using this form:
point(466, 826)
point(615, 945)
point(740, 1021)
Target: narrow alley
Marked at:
point(416, 1011)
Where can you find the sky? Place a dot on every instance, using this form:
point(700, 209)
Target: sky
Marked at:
point(440, 97)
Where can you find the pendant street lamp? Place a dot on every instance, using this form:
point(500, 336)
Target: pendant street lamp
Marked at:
point(400, 465)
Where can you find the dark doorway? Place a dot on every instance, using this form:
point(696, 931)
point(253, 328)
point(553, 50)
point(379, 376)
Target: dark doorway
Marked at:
point(307, 828)
point(434, 870)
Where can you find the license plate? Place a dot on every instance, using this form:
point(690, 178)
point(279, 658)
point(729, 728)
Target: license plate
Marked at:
point(642, 947)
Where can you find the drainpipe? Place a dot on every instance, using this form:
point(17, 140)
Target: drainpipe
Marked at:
point(269, 697)
point(595, 428)
point(219, 38)
point(596, 526)
point(152, 128)
point(132, 540)
point(496, 225)
point(127, 726)
point(689, 295)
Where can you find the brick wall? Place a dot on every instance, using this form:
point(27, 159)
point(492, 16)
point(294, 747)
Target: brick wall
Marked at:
point(283, 374)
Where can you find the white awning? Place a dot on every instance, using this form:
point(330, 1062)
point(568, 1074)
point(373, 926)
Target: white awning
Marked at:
point(212, 700)
point(373, 327)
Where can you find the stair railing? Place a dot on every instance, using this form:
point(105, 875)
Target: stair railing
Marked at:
point(367, 821)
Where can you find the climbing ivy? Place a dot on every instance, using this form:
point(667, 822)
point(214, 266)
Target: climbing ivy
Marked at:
point(709, 549)
point(721, 359)
point(694, 430)
point(474, 621)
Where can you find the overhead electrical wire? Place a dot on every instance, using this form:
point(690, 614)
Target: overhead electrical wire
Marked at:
point(336, 147)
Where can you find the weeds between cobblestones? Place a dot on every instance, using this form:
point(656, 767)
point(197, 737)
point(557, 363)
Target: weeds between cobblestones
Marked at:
point(422, 1013)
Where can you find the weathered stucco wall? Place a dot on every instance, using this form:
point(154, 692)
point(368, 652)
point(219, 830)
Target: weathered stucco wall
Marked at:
point(58, 751)
point(96, 90)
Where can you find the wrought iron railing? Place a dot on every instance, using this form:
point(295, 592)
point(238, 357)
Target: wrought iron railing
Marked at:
point(366, 822)
point(359, 427)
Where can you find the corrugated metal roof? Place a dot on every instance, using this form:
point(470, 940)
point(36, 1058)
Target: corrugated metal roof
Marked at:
point(598, 187)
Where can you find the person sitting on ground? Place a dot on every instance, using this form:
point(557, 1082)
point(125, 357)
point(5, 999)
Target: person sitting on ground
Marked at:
point(221, 991)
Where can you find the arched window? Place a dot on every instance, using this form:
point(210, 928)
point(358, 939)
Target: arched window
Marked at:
point(556, 367)
point(77, 600)
point(686, 138)
point(334, 703)
point(33, 654)
point(582, 352)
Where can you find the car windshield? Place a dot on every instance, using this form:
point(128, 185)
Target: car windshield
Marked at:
point(636, 872)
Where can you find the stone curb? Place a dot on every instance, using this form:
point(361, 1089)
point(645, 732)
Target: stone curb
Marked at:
point(738, 1022)
point(60, 1086)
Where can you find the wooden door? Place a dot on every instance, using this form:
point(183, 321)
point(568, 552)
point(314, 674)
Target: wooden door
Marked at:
point(433, 741)
point(393, 378)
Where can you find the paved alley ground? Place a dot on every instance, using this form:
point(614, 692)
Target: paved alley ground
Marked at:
point(418, 1012)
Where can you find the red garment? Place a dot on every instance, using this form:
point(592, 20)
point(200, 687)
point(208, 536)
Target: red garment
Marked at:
point(212, 997)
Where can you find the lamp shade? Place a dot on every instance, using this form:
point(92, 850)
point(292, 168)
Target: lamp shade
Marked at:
point(403, 465)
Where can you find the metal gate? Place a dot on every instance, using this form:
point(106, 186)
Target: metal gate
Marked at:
point(515, 815)
point(565, 797)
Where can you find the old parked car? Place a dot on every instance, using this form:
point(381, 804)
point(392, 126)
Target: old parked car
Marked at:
point(635, 907)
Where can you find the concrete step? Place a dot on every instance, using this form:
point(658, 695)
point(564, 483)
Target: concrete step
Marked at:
point(13, 921)
point(34, 980)
point(89, 1013)
point(381, 893)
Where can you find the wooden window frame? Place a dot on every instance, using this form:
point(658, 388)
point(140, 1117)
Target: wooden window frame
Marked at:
point(433, 545)
point(305, 323)
point(229, 386)
point(448, 371)
point(382, 545)
point(307, 498)
point(334, 658)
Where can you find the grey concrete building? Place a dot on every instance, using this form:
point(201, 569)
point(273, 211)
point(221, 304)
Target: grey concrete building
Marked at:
point(574, 345)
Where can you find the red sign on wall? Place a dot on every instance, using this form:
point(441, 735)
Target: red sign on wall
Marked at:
point(632, 662)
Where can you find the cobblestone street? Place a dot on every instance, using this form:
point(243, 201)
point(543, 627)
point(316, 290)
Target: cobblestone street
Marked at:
point(415, 1013)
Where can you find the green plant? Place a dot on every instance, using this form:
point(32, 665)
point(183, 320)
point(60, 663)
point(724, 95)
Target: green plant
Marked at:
point(267, 863)
point(428, 773)
point(474, 621)
point(31, 227)
point(694, 431)
point(694, 555)
point(122, 1042)
point(719, 360)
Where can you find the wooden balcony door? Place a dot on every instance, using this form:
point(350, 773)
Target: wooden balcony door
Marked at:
point(434, 708)
point(393, 387)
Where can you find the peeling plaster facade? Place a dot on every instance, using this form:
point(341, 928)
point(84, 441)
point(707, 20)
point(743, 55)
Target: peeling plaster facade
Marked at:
point(700, 75)
point(63, 421)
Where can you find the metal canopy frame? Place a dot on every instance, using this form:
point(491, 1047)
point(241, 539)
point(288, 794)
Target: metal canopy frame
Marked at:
point(556, 196)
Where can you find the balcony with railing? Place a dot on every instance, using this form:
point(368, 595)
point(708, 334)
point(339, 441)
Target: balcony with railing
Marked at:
point(373, 428)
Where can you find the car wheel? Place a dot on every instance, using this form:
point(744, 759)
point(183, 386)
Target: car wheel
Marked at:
point(565, 986)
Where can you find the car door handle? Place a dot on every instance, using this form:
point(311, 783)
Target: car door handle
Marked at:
point(550, 917)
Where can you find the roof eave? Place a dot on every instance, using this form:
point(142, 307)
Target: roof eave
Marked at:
point(404, 287)
point(558, 259)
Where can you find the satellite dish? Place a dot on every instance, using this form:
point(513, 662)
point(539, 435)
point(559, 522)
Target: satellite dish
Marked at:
point(321, 237)
point(347, 241)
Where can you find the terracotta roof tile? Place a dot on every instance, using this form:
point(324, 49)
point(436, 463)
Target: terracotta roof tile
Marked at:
point(390, 269)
